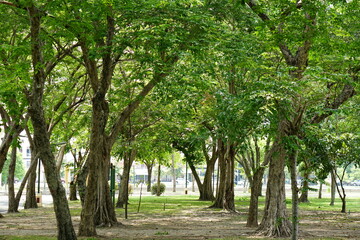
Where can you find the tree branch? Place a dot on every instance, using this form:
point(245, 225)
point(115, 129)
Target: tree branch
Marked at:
point(347, 92)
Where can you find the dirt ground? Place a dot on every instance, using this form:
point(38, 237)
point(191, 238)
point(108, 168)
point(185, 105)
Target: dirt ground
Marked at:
point(190, 224)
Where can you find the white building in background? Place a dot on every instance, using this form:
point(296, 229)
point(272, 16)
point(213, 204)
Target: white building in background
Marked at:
point(25, 151)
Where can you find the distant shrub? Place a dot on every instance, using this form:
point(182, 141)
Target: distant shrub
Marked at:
point(154, 188)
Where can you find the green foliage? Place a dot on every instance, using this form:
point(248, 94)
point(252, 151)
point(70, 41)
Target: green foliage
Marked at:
point(19, 169)
point(154, 189)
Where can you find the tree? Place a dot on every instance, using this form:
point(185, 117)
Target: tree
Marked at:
point(254, 164)
point(40, 71)
point(295, 51)
point(146, 38)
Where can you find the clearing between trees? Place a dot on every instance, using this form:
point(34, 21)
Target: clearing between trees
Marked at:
point(184, 217)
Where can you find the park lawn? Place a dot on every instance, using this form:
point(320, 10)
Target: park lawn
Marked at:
point(163, 207)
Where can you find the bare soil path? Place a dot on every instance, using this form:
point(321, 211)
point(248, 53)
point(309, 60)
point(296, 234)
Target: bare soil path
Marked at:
point(197, 223)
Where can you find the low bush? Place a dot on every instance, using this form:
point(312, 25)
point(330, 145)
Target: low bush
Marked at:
point(154, 189)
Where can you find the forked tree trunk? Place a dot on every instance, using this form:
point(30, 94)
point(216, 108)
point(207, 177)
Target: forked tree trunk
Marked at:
point(275, 221)
point(97, 209)
point(207, 193)
point(220, 193)
point(340, 189)
point(256, 187)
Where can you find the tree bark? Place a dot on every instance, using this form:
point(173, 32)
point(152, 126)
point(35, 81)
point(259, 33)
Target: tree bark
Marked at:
point(275, 221)
point(256, 188)
point(295, 196)
point(30, 201)
point(342, 193)
point(229, 202)
point(73, 191)
point(124, 183)
point(81, 181)
point(41, 137)
point(207, 193)
point(220, 193)
point(149, 170)
point(11, 177)
point(96, 209)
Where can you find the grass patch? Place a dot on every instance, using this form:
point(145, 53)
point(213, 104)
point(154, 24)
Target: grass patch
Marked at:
point(352, 204)
point(163, 205)
point(171, 205)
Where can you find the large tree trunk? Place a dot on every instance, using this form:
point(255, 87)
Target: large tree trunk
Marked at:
point(11, 178)
point(42, 145)
point(97, 207)
point(275, 221)
point(256, 187)
point(41, 137)
point(105, 214)
point(124, 184)
point(207, 193)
